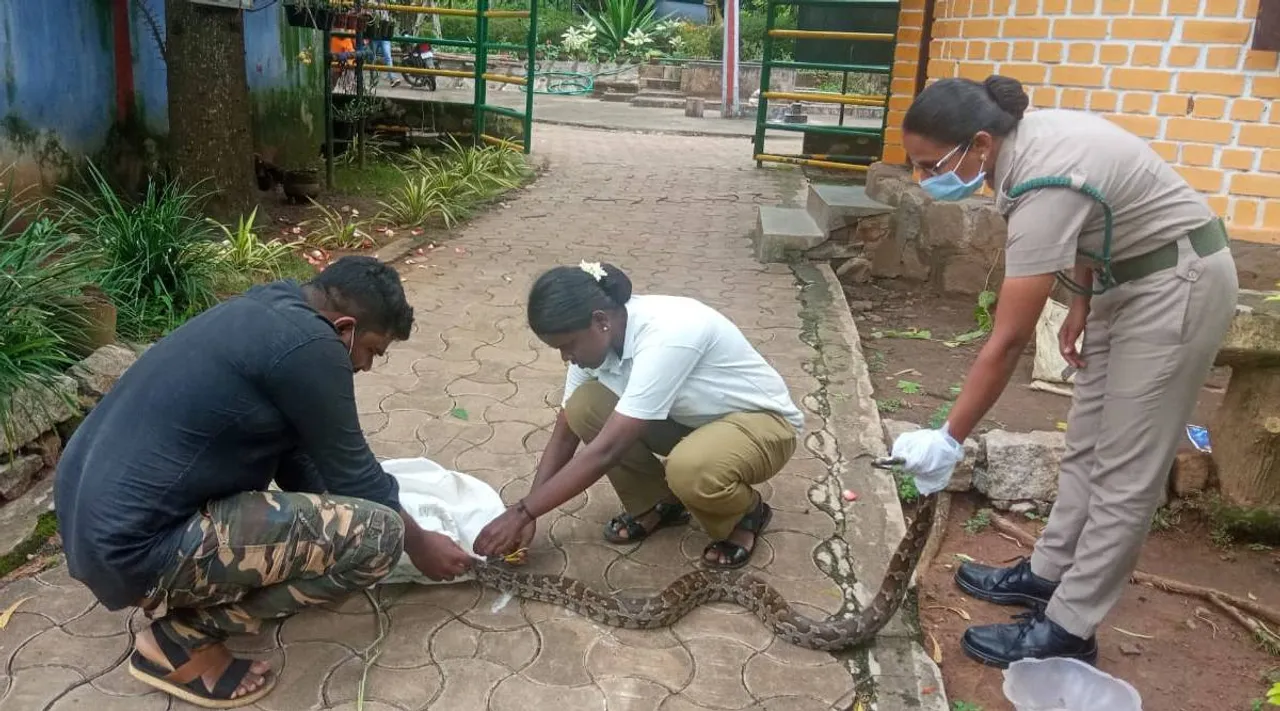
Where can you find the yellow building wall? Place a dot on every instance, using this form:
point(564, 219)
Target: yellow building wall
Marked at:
point(1176, 72)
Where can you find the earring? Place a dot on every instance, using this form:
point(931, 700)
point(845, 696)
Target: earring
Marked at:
point(606, 328)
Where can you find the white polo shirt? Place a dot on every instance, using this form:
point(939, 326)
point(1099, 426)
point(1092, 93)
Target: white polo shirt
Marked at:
point(685, 361)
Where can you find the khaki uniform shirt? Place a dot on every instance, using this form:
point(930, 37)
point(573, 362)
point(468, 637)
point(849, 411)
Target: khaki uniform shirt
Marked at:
point(1151, 204)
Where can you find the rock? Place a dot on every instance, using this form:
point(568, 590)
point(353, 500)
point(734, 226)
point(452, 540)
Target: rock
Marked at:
point(855, 271)
point(962, 478)
point(1022, 507)
point(860, 306)
point(875, 318)
point(36, 409)
point(49, 447)
point(18, 518)
point(1131, 649)
point(16, 475)
point(1192, 470)
point(96, 374)
point(1020, 466)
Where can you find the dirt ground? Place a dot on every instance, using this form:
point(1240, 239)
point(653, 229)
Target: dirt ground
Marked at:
point(889, 309)
point(1185, 666)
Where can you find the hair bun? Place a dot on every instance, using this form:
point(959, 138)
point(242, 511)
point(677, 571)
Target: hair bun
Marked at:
point(616, 284)
point(1008, 94)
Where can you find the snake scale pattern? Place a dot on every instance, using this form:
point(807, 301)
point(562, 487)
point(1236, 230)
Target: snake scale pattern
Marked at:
point(743, 588)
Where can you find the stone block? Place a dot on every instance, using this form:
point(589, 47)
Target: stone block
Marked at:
point(1192, 472)
point(855, 271)
point(783, 230)
point(886, 182)
point(836, 206)
point(694, 107)
point(97, 374)
point(962, 477)
point(1020, 466)
point(1254, 337)
point(36, 409)
point(18, 517)
point(16, 474)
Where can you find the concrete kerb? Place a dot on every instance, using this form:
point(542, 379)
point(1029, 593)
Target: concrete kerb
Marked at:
point(894, 672)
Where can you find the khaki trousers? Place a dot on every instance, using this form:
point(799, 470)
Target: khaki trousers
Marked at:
point(1148, 347)
point(710, 469)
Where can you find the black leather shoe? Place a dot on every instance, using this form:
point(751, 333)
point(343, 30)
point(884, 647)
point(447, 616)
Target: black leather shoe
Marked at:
point(1033, 636)
point(1005, 586)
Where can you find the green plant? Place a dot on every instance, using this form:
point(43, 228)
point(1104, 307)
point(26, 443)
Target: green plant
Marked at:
point(964, 706)
point(978, 522)
point(888, 405)
point(337, 229)
point(982, 310)
point(424, 196)
point(940, 415)
point(907, 491)
point(155, 258)
point(619, 20)
point(909, 387)
point(449, 185)
point(42, 276)
point(244, 252)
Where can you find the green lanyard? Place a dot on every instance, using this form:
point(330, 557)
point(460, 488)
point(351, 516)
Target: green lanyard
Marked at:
point(1103, 275)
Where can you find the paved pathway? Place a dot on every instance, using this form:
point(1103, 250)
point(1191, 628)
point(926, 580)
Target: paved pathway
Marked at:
point(674, 212)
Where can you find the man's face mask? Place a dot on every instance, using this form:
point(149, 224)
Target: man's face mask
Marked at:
point(950, 186)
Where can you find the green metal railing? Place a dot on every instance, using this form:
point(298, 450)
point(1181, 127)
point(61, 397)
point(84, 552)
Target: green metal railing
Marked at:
point(768, 64)
point(481, 74)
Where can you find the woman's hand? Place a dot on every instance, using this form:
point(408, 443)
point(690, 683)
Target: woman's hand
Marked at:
point(505, 534)
point(436, 555)
point(1070, 332)
point(930, 456)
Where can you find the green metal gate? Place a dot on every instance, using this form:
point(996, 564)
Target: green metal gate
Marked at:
point(846, 36)
point(481, 73)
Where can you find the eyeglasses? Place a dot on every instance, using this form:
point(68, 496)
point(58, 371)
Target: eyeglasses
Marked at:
point(936, 166)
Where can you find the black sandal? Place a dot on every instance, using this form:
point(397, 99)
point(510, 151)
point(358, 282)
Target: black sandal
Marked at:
point(184, 679)
point(668, 515)
point(754, 522)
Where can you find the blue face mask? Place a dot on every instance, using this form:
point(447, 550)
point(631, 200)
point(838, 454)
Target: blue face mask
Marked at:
point(949, 185)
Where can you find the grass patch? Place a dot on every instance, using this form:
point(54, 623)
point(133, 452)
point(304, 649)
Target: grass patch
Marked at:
point(978, 522)
point(377, 179)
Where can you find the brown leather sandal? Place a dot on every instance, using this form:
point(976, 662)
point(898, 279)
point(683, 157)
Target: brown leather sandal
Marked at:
point(738, 556)
point(184, 680)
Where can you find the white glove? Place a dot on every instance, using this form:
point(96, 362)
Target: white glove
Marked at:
point(930, 456)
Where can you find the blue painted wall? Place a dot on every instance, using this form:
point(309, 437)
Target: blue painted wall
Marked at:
point(57, 62)
point(59, 79)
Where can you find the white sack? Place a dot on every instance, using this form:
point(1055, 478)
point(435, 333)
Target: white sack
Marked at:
point(1048, 363)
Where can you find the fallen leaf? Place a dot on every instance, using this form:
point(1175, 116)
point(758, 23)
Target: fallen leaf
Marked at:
point(1132, 634)
point(965, 558)
point(936, 655)
point(8, 613)
point(1062, 426)
point(459, 413)
point(959, 612)
point(1252, 597)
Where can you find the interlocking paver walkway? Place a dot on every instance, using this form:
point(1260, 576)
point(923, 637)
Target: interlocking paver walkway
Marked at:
point(675, 213)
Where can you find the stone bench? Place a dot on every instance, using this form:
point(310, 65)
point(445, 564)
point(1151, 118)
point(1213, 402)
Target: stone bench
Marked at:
point(1246, 427)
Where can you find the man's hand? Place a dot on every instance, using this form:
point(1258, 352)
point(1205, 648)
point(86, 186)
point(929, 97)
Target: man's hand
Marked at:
point(505, 534)
point(436, 555)
point(526, 539)
point(1072, 327)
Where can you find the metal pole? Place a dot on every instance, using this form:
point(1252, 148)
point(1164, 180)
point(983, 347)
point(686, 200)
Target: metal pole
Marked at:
point(529, 76)
point(766, 63)
point(482, 62)
point(328, 107)
point(359, 86)
point(844, 89)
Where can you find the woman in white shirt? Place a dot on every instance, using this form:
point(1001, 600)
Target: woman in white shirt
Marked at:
point(650, 376)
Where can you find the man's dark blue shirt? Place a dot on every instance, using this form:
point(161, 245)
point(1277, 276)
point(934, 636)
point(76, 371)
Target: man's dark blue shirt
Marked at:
point(257, 388)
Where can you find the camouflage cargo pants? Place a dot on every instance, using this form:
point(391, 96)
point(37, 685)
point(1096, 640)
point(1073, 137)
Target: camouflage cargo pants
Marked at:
point(267, 555)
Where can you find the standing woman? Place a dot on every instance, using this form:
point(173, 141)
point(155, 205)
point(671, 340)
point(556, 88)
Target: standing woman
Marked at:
point(654, 375)
point(1155, 290)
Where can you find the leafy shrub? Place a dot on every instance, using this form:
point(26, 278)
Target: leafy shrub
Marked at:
point(449, 186)
point(243, 252)
point(336, 229)
point(42, 278)
point(156, 259)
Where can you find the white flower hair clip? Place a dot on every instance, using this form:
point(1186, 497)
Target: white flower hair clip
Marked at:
point(596, 271)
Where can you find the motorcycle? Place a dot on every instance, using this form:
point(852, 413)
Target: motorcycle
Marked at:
point(421, 56)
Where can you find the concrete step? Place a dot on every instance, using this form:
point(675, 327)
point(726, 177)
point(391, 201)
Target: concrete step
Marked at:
point(660, 94)
point(618, 87)
point(835, 207)
point(657, 102)
point(660, 71)
point(617, 97)
point(781, 231)
point(660, 84)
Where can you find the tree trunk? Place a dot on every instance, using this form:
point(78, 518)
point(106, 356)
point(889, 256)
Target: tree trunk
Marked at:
point(210, 117)
point(1246, 438)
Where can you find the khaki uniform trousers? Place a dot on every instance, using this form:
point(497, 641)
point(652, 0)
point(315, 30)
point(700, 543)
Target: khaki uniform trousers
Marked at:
point(710, 469)
point(1148, 346)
